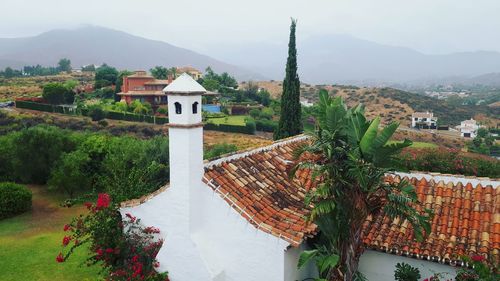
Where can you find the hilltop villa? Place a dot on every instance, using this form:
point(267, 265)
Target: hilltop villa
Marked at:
point(144, 87)
point(468, 128)
point(241, 218)
point(193, 72)
point(423, 120)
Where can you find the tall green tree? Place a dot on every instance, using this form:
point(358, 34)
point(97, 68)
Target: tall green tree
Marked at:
point(290, 120)
point(350, 160)
point(58, 93)
point(159, 72)
point(105, 76)
point(64, 64)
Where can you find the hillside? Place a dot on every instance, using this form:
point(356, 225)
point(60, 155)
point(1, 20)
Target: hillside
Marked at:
point(95, 45)
point(394, 105)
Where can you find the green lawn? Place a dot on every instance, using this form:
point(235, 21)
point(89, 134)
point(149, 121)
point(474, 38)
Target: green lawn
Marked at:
point(229, 120)
point(419, 144)
point(29, 244)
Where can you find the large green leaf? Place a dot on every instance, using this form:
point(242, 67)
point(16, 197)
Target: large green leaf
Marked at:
point(366, 143)
point(356, 127)
point(327, 262)
point(385, 135)
point(306, 256)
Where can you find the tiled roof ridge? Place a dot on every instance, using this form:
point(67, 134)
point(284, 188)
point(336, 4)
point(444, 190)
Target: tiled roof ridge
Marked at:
point(244, 153)
point(453, 178)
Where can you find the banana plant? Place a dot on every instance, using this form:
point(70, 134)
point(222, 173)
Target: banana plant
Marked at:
point(354, 156)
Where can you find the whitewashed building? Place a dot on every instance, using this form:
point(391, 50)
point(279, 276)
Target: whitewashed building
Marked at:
point(241, 218)
point(468, 128)
point(425, 120)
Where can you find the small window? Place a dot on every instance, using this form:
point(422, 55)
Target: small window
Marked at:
point(178, 108)
point(195, 107)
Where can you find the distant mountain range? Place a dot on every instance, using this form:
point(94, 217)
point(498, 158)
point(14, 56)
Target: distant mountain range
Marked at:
point(322, 59)
point(96, 45)
point(346, 59)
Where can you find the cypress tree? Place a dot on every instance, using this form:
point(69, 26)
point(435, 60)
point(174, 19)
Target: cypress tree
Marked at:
point(290, 123)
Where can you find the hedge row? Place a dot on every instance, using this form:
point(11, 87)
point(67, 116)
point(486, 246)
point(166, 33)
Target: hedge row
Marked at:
point(14, 199)
point(249, 128)
point(127, 116)
point(266, 125)
point(44, 107)
point(114, 115)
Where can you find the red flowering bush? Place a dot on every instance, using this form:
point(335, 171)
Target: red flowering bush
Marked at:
point(125, 249)
point(480, 270)
point(449, 161)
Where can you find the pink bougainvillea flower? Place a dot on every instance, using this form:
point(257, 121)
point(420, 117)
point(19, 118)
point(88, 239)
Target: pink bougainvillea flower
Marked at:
point(477, 258)
point(66, 240)
point(67, 227)
point(60, 258)
point(103, 200)
point(88, 205)
point(99, 252)
point(110, 250)
point(151, 229)
point(132, 218)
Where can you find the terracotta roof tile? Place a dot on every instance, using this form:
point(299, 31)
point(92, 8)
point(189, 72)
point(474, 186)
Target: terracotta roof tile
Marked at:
point(466, 218)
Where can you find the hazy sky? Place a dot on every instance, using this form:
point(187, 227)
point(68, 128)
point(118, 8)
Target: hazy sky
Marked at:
point(430, 26)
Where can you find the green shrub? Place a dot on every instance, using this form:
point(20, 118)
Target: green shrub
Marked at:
point(56, 93)
point(7, 156)
point(249, 128)
point(96, 113)
point(14, 199)
point(133, 167)
point(255, 113)
point(266, 125)
point(37, 149)
point(162, 110)
point(405, 272)
point(103, 123)
point(70, 174)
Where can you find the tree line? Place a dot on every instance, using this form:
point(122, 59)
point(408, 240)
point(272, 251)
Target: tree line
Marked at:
point(64, 65)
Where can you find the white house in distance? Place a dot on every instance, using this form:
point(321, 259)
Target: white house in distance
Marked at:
point(423, 120)
point(468, 128)
point(241, 218)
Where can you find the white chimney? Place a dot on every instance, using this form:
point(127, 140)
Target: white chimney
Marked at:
point(185, 132)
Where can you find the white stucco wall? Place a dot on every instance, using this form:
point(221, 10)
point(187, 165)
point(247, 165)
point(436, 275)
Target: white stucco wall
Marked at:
point(178, 255)
point(232, 247)
point(378, 266)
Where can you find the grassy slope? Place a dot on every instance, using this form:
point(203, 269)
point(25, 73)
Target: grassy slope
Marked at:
point(419, 144)
point(30, 242)
point(230, 120)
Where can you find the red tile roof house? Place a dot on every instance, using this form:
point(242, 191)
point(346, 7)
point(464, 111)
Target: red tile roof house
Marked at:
point(145, 88)
point(242, 218)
